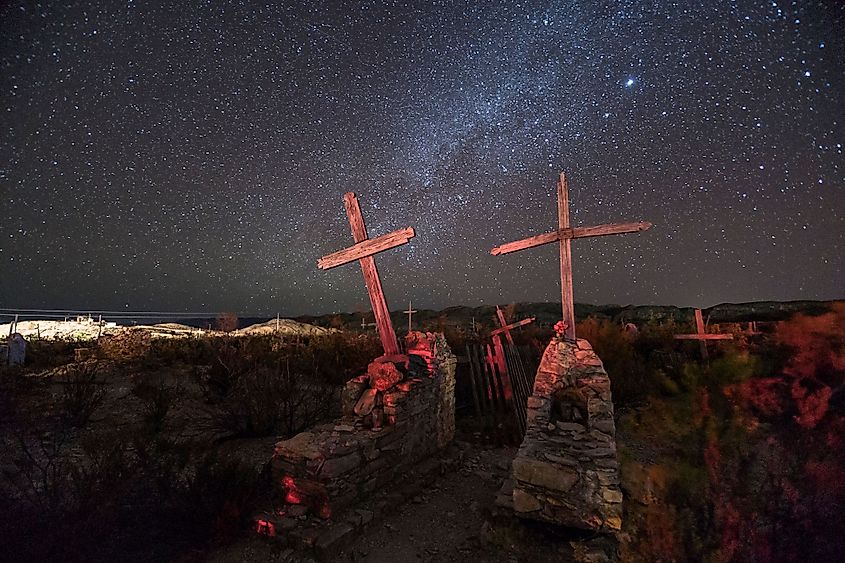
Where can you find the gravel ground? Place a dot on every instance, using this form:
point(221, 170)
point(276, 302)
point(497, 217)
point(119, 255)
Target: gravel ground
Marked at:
point(454, 520)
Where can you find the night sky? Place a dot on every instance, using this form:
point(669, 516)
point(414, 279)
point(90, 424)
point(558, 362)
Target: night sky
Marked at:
point(187, 156)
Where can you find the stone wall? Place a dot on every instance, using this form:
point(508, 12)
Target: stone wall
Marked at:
point(400, 412)
point(566, 470)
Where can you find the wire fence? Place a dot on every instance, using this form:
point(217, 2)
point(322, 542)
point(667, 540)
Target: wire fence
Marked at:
point(21, 314)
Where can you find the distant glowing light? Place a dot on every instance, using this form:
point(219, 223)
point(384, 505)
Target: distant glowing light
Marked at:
point(629, 83)
point(807, 73)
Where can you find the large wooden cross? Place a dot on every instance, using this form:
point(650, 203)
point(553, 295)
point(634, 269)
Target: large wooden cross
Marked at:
point(701, 335)
point(363, 251)
point(564, 235)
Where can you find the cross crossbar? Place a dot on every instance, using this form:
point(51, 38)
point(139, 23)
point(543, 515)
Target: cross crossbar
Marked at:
point(517, 324)
point(701, 335)
point(410, 312)
point(704, 337)
point(571, 233)
point(563, 236)
point(366, 248)
point(363, 251)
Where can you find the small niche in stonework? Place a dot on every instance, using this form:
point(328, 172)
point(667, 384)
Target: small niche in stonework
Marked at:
point(569, 405)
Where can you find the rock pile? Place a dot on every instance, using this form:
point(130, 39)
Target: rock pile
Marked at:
point(398, 413)
point(566, 471)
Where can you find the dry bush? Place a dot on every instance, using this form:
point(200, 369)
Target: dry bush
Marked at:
point(629, 377)
point(267, 385)
point(127, 344)
point(191, 350)
point(81, 393)
point(226, 322)
point(158, 398)
point(262, 400)
point(46, 354)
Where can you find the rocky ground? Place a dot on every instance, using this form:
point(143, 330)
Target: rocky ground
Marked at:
point(452, 519)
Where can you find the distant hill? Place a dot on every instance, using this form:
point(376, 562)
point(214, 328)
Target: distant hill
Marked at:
point(284, 326)
point(549, 313)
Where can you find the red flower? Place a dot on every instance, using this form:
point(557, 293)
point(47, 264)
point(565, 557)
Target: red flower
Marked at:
point(560, 328)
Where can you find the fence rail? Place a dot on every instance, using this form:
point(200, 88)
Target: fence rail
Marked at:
point(500, 396)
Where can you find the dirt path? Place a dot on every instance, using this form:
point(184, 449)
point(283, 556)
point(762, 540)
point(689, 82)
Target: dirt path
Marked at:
point(445, 522)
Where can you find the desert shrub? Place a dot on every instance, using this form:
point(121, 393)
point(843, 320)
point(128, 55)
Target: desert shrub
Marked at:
point(41, 471)
point(274, 400)
point(455, 336)
point(626, 367)
point(81, 393)
point(128, 344)
point(192, 350)
point(158, 398)
point(47, 354)
point(816, 344)
point(732, 367)
point(265, 388)
point(334, 358)
point(665, 384)
point(217, 500)
point(657, 336)
point(192, 492)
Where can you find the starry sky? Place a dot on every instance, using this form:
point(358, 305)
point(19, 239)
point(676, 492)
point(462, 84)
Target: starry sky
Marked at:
point(192, 156)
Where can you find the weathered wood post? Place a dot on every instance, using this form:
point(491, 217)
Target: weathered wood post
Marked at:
point(702, 336)
point(363, 251)
point(563, 237)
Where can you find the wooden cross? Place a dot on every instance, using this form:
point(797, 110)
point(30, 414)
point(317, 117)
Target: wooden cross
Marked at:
point(365, 324)
point(363, 251)
point(497, 356)
point(701, 335)
point(564, 235)
point(410, 312)
point(505, 328)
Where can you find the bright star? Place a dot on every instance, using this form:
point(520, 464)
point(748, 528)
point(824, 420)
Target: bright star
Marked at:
point(629, 83)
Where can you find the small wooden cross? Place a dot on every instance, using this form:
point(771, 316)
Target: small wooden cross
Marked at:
point(365, 324)
point(410, 312)
point(497, 357)
point(701, 335)
point(363, 251)
point(505, 328)
point(564, 236)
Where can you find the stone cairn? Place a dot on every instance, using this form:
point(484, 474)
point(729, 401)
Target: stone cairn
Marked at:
point(566, 471)
point(394, 416)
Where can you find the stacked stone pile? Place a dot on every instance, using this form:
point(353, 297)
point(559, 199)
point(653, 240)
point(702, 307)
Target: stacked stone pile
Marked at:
point(566, 471)
point(398, 413)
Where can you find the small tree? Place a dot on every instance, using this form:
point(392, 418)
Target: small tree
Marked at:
point(227, 322)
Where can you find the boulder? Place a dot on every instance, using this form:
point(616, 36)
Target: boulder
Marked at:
point(366, 403)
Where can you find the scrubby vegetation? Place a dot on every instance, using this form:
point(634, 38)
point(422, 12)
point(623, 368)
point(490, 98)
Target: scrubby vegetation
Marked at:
point(158, 453)
point(735, 459)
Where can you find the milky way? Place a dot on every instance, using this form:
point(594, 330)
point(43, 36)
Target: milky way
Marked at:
point(193, 156)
